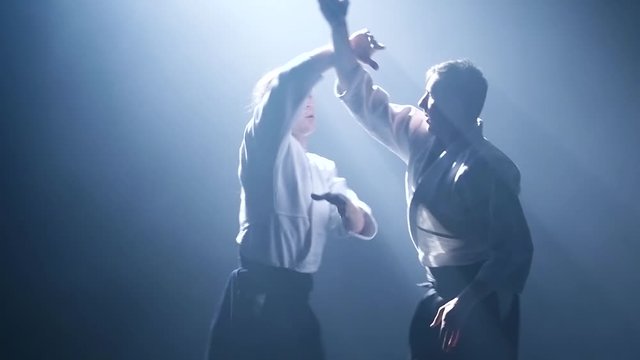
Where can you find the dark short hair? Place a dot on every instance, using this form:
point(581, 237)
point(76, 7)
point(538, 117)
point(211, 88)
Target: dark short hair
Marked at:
point(467, 81)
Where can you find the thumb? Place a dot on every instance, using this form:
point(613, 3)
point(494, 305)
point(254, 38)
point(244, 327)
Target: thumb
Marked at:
point(438, 319)
point(377, 45)
point(332, 198)
point(318, 197)
point(374, 65)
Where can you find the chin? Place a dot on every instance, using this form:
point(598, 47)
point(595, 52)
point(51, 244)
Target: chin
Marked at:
point(307, 132)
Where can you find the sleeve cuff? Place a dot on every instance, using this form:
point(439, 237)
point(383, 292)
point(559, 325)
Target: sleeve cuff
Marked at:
point(370, 228)
point(355, 78)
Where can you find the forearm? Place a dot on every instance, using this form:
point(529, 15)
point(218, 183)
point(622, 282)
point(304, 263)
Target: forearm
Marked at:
point(490, 277)
point(477, 290)
point(354, 220)
point(357, 217)
point(510, 248)
point(292, 83)
point(301, 73)
point(312, 64)
point(510, 240)
point(361, 223)
point(345, 60)
point(393, 125)
point(505, 272)
point(370, 226)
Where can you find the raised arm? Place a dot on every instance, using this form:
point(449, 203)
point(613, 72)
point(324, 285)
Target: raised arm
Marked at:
point(346, 62)
point(393, 125)
point(281, 93)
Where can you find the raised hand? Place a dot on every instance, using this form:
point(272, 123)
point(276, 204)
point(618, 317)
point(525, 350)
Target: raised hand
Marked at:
point(364, 45)
point(334, 11)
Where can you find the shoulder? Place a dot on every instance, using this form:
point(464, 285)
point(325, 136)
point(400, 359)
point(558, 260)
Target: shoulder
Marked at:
point(404, 110)
point(321, 162)
point(494, 164)
point(410, 120)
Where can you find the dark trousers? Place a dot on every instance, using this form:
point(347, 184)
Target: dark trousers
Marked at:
point(485, 335)
point(265, 315)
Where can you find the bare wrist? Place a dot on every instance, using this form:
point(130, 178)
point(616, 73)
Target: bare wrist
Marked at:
point(339, 25)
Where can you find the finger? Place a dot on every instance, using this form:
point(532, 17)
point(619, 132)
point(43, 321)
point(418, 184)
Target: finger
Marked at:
point(328, 6)
point(337, 201)
point(444, 337)
point(377, 45)
point(374, 65)
point(455, 338)
point(340, 202)
point(319, 197)
point(438, 319)
point(333, 199)
point(336, 6)
point(450, 339)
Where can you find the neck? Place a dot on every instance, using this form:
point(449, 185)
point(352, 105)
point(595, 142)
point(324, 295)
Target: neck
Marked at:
point(457, 137)
point(469, 134)
point(303, 140)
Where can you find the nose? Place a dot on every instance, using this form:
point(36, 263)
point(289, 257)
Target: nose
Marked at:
point(422, 103)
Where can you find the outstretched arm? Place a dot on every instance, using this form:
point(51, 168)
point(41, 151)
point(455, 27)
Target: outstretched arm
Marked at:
point(293, 81)
point(356, 215)
point(391, 124)
point(348, 50)
point(283, 93)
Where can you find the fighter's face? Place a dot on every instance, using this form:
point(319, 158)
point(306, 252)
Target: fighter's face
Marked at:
point(438, 122)
point(305, 125)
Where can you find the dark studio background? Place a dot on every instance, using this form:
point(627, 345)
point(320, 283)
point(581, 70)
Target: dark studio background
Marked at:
point(120, 124)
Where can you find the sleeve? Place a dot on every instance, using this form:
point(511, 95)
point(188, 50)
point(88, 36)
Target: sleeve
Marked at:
point(338, 185)
point(511, 248)
point(275, 114)
point(391, 124)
